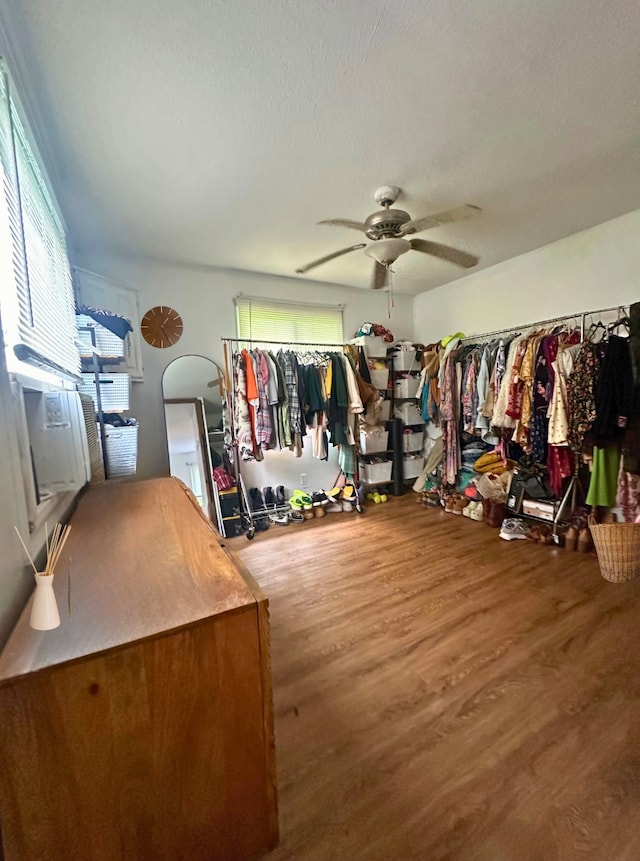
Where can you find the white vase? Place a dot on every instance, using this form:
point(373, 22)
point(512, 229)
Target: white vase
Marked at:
point(44, 610)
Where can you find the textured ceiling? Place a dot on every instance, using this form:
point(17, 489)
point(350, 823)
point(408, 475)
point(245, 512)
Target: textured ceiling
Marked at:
point(217, 132)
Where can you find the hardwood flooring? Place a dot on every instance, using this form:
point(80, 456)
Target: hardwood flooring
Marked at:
point(443, 695)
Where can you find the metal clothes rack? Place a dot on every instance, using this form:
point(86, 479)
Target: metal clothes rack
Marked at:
point(257, 342)
point(572, 487)
point(578, 314)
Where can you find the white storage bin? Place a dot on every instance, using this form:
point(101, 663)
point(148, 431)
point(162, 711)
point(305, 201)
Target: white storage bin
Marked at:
point(384, 411)
point(122, 450)
point(373, 438)
point(371, 473)
point(412, 466)
point(379, 378)
point(409, 414)
point(407, 387)
point(107, 344)
point(412, 441)
point(375, 346)
point(114, 391)
point(406, 360)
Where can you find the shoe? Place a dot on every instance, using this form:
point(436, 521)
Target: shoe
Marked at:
point(307, 512)
point(320, 499)
point(257, 500)
point(571, 538)
point(513, 529)
point(449, 503)
point(347, 491)
point(296, 517)
point(334, 493)
point(584, 540)
point(466, 511)
point(319, 511)
point(269, 498)
point(459, 504)
point(477, 512)
point(304, 497)
point(348, 505)
point(295, 504)
point(279, 519)
point(383, 497)
point(278, 494)
point(333, 507)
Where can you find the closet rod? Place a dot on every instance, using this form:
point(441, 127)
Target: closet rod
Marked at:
point(279, 343)
point(581, 314)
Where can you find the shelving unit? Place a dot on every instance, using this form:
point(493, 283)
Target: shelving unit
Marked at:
point(376, 440)
point(406, 373)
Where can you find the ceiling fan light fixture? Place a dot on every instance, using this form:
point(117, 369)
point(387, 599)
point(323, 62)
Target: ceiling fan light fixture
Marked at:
point(387, 251)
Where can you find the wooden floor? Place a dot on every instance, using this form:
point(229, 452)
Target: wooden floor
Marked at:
point(443, 694)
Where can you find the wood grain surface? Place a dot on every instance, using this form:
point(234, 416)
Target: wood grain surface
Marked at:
point(159, 747)
point(142, 531)
point(443, 695)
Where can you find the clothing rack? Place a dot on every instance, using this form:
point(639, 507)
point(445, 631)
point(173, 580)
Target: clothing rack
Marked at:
point(279, 343)
point(579, 314)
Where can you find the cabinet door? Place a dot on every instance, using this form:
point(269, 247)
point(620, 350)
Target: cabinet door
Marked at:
point(99, 292)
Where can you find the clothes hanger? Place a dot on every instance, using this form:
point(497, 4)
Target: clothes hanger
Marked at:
point(623, 320)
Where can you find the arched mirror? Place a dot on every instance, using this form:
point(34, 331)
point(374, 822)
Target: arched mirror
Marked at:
point(192, 390)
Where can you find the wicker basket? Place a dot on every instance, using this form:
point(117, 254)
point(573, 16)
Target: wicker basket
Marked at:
point(618, 549)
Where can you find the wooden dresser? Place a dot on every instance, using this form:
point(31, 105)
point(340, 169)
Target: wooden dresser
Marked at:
point(142, 727)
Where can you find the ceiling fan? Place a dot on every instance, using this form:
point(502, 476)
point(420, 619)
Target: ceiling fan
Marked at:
point(387, 228)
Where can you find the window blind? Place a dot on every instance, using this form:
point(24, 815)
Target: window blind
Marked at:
point(288, 322)
point(38, 308)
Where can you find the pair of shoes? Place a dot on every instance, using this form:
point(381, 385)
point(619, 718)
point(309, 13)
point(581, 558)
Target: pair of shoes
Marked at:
point(460, 503)
point(449, 502)
point(279, 519)
point(473, 510)
point(513, 529)
point(301, 501)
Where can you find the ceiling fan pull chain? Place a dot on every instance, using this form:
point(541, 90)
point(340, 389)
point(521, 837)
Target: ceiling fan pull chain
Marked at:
point(389, 291)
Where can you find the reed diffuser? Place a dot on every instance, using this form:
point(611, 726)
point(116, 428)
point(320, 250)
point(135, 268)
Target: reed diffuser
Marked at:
point(44, 610)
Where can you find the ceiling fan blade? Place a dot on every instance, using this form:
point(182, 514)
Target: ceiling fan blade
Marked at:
point(448, 217)
point(379, 280)
point(321, 260)
point(444, 252)
point(345, 222)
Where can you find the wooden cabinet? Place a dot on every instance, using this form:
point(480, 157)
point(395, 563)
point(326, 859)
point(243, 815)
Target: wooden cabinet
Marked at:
point(142, 727)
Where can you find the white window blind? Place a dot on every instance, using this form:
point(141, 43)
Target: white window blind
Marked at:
point(288, 322)
point(36, 291)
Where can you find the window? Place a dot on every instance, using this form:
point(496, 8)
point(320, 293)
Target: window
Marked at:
point(36, 291)
point(288, 322)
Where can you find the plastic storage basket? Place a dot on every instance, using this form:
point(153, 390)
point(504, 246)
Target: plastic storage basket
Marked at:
point(409, 414)
point(371, 473)
point(107, 344)
point(373, 438)
point(122, 450)
point(114, 391)
point(412, 466)
point(406, 360)
point(406, 387)
point(618, 549)
point(374, 345)
point(379, 377)
point(412, 441)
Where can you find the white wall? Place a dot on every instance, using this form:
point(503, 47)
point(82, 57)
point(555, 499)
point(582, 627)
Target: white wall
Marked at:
point(204, 298)
point(593, 269)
